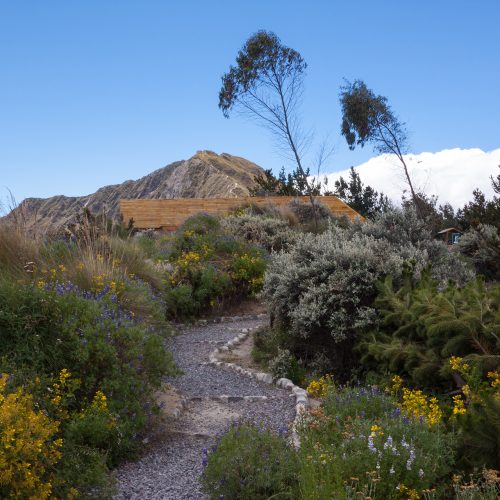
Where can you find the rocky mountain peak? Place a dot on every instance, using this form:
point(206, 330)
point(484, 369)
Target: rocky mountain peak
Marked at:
point(204, 175)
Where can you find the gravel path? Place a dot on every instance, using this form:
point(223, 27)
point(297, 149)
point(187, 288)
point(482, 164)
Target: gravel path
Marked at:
point(172, 469)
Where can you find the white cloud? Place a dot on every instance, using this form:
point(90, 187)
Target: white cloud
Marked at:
point(451, 174)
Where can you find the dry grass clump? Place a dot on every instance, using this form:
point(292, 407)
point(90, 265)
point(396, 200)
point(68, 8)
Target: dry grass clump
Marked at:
point(17, 251)
point(89, 257)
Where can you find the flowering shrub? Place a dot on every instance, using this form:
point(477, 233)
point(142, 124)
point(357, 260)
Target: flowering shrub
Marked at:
point(102, 402)
point(415, 404)
point(247, 270)
point(209, 268)
point(29, 449)
point(361, 435)
point(475, 412)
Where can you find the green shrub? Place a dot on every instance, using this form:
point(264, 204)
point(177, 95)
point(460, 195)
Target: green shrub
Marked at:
point(305, 211)
point(422, 326)
point(271, 233)
point(83, 472)
point(482, 246)
point(285, 365)
point(200, 224)
point(147, 242)
point(321, 292)
point(180, 302)
point(478, 429)
point(266, 345)
point(250, 463)
point(212, 285)
point(408, 234)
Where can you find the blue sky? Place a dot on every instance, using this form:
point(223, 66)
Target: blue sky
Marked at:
point(97, 92)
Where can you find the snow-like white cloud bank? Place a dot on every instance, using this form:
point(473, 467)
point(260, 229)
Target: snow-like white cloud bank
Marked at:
point(451, 174)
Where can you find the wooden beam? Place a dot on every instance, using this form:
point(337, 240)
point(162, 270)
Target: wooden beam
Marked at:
point(171, 213)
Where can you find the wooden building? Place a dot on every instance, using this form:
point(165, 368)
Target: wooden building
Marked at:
point(451, 235)
point(169, 214)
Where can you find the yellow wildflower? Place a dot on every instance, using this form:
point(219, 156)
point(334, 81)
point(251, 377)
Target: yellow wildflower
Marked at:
point(434, 414)
point(458, 405)
point(416, 404)
point(319, 388)
point(457, 364)
point(495, 379)
point(100, 401)
point(28, 454)
point(466, 390)
point(397, 382)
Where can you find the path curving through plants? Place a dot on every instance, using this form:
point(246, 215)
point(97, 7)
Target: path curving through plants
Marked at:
point(171, 469)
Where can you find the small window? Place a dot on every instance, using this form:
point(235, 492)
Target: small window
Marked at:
point(455, 238)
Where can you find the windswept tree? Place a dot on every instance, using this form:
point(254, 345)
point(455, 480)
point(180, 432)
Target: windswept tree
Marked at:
point(267, 84)
point(368, 118)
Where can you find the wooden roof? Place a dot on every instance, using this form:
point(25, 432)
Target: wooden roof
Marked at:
point(448, 229)
point(169, 214)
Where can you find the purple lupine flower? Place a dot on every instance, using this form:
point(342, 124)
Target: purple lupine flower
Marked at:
point(411, 459)
point(388, 443)
point(371, 446)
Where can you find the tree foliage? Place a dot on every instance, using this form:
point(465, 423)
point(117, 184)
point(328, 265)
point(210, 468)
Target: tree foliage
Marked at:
point(480, 211)
point(266, 84)
point(291, 184)
point(365, 200)
point(368, 118)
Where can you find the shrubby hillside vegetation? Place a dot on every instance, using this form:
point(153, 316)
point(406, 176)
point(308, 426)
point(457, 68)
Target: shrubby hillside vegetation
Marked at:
point(394, 333)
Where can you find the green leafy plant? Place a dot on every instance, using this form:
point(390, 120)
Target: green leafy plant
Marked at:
point(262, 465)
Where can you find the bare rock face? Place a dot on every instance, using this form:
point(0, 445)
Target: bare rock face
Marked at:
point(205, 175)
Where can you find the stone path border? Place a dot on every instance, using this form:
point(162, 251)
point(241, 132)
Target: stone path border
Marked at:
point(300, 394)
point(179, 408)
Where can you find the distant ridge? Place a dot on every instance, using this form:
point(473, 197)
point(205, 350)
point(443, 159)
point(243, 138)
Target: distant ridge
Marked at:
point(205, 175)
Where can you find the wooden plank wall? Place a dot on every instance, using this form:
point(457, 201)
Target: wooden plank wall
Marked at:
point(170, 214)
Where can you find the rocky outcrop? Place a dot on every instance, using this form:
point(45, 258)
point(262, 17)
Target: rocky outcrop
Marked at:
point(205, 175)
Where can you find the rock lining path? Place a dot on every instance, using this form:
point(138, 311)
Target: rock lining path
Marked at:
point(172, 468)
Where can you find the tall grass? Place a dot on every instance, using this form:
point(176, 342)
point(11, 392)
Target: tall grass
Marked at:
point(90, 256)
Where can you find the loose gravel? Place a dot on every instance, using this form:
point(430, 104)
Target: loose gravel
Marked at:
point(172, 469)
